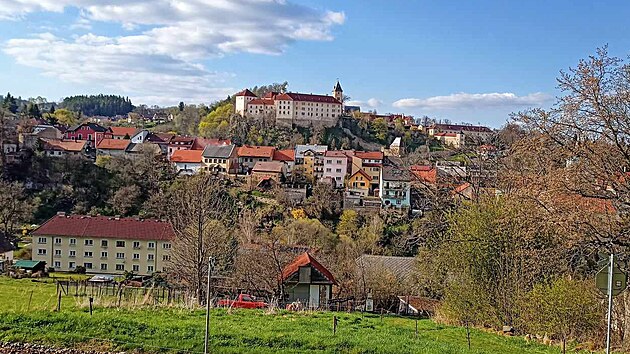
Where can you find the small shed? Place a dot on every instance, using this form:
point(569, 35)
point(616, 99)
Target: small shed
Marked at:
point(32, 266)
point(417, 305)
point(307, 281)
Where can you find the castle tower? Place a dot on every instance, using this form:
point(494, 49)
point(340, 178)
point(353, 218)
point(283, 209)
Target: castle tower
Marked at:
point(338, 92)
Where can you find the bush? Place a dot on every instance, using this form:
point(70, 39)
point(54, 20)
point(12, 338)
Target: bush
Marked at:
point(80, 270)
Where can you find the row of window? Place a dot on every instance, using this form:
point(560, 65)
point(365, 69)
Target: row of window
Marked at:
point(338, 162)
point(104, 243)
point(104, 254)
point(338, 170)
point(214, 160)
point(119, 267)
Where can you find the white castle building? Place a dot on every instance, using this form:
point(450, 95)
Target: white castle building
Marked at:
point(292, 109)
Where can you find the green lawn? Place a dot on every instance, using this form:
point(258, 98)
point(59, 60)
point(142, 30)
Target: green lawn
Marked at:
point(237, 331)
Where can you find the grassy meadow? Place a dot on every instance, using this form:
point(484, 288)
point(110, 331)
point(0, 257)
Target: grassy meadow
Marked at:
point(180, 330)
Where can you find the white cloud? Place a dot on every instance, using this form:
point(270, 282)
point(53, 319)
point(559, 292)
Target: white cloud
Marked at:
point(168, 54)
point(474, 100)
point(371, 103)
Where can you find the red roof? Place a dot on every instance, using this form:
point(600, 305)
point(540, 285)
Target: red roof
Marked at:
point(113, 144)
point(339, 153)
point(303, 260)
point(122, 131)
point(189, 156)
point(306, 97)
point(106, 227)
point(263, 101)
point(425, 173)
point(246, 92)
point(284, 155)
point(256, 151)
point(369, 155)
point(63, 145)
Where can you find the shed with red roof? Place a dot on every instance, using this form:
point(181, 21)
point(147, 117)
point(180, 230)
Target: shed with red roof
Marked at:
point(308, 281)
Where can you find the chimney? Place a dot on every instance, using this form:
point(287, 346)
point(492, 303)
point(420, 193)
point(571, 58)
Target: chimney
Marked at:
point(61, 213)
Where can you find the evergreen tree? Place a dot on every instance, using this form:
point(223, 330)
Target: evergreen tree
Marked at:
point(181, 106)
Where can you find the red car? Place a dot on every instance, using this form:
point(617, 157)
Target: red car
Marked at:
point(244, 301)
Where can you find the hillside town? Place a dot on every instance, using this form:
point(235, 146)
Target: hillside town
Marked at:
point(399, 215)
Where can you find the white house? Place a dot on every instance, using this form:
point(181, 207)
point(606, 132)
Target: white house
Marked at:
point(188, 162)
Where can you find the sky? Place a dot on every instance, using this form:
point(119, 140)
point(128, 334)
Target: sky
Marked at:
point(465, 61)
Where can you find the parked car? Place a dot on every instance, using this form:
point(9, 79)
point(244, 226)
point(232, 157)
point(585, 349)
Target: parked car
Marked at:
point(243, 301)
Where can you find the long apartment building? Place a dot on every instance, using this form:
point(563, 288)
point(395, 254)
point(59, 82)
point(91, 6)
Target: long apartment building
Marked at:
point(103, 245)
point(292, 108)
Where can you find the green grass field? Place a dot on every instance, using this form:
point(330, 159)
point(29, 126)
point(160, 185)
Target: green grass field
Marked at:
point(236, 331)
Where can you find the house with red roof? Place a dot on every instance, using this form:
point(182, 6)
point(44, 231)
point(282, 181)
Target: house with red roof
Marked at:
point(112, 147)
point(371, 163)
point(308, 281)
point(291, 108)
point(188, 162)
point(123, 132)
point(249, 155)
point(63, 148)
point(287, 157)
point(473, 132)
point(103, 245)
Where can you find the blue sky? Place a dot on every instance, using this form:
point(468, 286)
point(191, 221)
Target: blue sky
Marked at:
point(467, 61)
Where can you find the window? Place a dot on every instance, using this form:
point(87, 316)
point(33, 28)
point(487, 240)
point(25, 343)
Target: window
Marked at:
point(57, 252)
point(57, 264)
point(166, 246)
point(151, 245)
point(150, 269)
point(89, 242)
point(103, 255)
point(103, 243)
point(136, 256)
point(87, 254)
point(103, 266)
point(41, 240)
point(338, 170)
point(136, 244)
point(71, 265)
point(120, 255)
point(151, 257)
point(73, 253)
point(120, 243)
point(41, 251)
point(57, 240)
point(120, 267)
point(87, 265)
point(166, 257)
point(135, 268)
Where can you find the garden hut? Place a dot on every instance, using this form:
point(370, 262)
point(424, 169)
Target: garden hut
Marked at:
point(307, 281)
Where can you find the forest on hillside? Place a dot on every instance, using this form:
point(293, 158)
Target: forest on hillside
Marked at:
point(99, 105)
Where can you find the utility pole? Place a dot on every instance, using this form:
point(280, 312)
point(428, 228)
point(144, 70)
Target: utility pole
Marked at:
point(210, 266)
point(610, 299)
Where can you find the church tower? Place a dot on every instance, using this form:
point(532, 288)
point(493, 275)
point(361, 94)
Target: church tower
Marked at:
point(338, 92)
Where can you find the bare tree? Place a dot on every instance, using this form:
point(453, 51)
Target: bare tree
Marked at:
point(200, 209)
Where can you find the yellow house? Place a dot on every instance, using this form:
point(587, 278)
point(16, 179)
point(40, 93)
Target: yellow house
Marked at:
point(371, 163)
point(359, 184)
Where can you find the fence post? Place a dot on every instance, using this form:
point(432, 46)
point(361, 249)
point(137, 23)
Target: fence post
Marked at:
point(59, 302)
point(334, 325)
point(416, 327)
point(91, 300)
point(30, 299)
point(381, 315)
